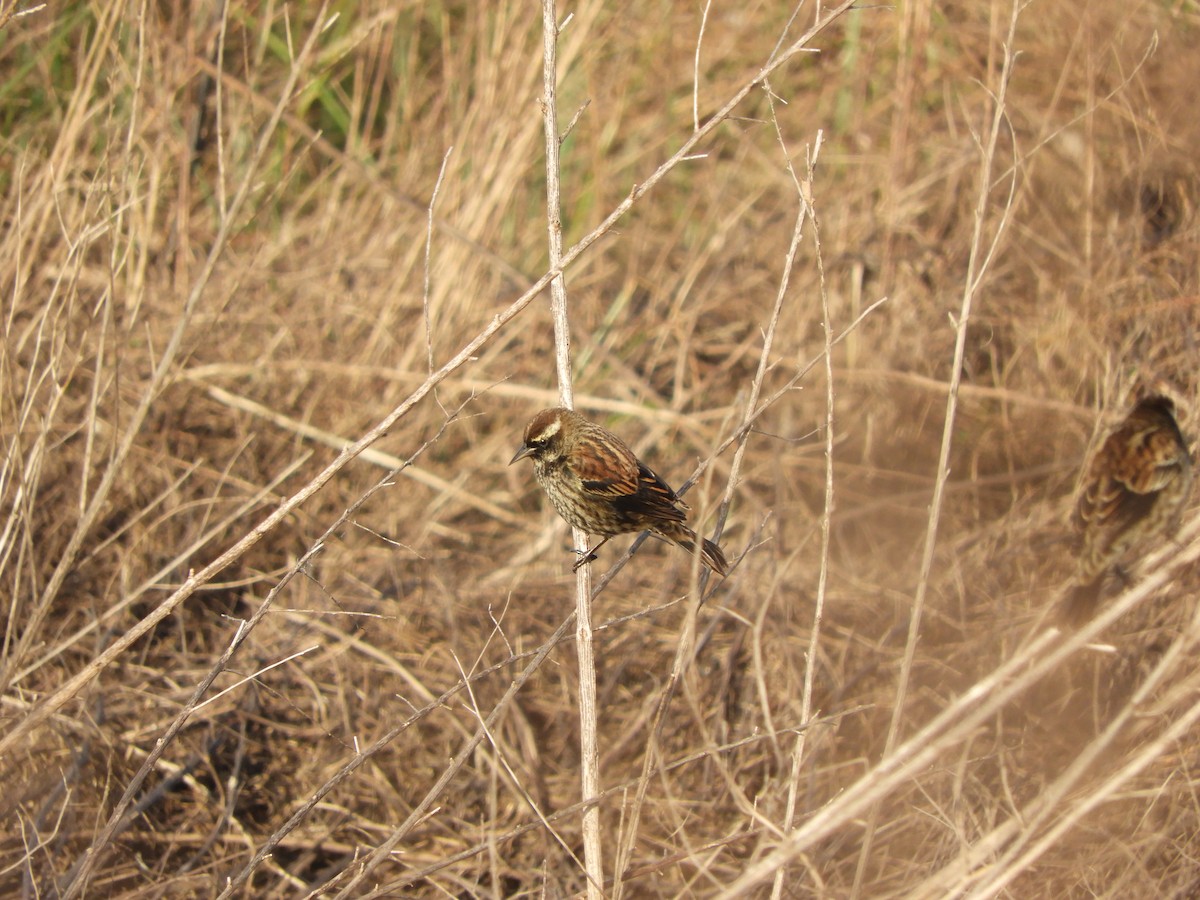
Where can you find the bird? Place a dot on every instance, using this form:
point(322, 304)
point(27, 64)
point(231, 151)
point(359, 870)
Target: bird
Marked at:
point(1134, 489)
point(598, 485)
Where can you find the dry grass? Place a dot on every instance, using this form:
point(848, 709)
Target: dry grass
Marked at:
point(233, 650)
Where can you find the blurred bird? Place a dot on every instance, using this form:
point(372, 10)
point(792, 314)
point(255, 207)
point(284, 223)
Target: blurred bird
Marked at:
point(1134, 490)
point(597, 484)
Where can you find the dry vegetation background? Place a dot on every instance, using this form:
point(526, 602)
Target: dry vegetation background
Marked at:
point(213, 271)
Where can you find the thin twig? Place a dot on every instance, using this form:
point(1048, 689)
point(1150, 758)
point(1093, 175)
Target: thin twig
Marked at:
point(977, 265)
point(589, 747)
point(696, 68)
point(428, 254)
point(371, 455)
point(804, 191)
point(685, 641)
point(501, 757)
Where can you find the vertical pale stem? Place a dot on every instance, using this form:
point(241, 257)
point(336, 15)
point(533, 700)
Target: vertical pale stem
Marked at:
point(589, 754)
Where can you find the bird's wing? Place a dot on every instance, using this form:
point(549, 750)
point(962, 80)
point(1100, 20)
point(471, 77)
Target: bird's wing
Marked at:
point(609, 470)
point(655, 498)
point(1109, 501)
point(1131, 470)
point(606, 467)
point(1157, 457)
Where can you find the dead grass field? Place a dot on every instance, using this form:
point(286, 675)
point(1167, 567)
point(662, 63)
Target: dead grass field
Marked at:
point(214, 277)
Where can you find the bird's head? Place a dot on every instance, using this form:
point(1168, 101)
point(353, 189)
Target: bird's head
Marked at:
point(547, 435)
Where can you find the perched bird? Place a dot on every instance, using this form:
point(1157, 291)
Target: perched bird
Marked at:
point(597, 484)
point(1134, 489)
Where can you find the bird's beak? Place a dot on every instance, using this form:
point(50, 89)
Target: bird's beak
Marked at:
point(525, 451)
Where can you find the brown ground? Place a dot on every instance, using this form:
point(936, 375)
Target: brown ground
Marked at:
point(200, 306)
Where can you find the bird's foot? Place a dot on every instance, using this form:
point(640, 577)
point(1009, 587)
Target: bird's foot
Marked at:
point(585, 557)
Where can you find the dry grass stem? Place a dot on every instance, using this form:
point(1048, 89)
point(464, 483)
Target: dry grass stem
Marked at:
point(978, 260)
point(589, 747)
point(278, 620)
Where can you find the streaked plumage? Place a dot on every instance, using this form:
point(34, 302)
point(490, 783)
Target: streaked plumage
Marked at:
point(1135, 488)
point(597, 484)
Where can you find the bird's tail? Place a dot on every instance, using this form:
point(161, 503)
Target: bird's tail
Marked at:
point(1079, 604)
point(710, 554)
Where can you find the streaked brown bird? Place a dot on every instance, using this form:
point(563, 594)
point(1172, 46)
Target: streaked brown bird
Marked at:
point(597, 484)
point(1135, 489)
